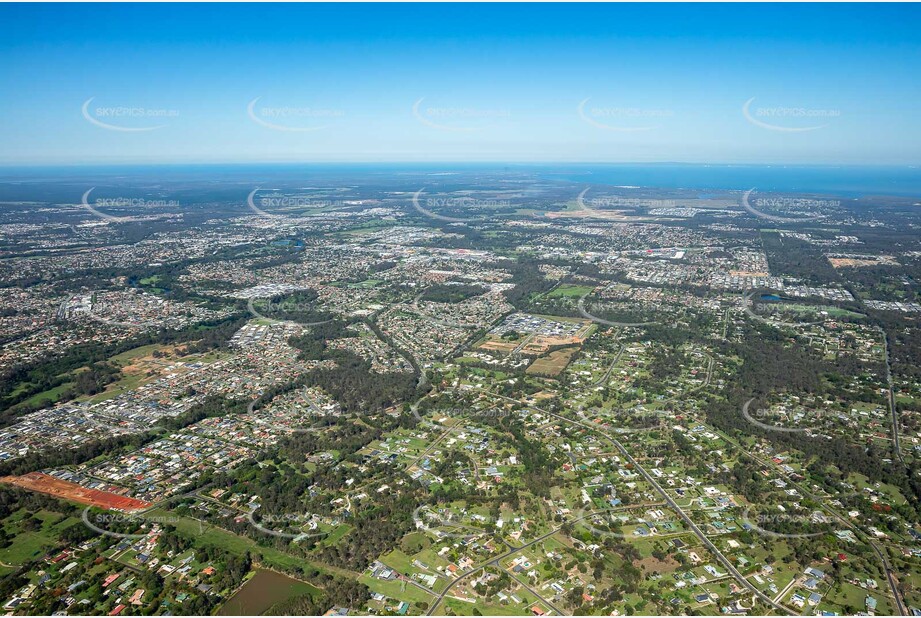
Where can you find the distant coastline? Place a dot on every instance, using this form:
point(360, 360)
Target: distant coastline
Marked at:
point(842, 180)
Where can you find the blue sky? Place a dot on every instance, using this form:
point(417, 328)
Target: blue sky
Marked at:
point(438, 82)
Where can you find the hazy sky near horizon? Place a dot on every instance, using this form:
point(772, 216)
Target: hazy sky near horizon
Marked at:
point(807, 83)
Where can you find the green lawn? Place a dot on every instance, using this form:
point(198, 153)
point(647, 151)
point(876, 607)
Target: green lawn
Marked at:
point(52, 394)
point(333, 537)
point(570, 291)
point(486, 609)
point(396, 589)
point(398, 560)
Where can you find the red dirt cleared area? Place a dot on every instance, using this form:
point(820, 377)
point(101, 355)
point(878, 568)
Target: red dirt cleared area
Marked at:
point(36, 481)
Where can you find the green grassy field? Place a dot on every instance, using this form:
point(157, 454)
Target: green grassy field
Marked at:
point(568, 290)
point(52, 395)
point(31, 544)
point(207, 534)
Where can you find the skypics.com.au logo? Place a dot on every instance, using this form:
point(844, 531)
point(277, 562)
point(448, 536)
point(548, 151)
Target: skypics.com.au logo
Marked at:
point(769, 420)
point(630, 203)
point(445, 523)
point(788, 119)
point(456, 203)
point(622, 119)
point(141, 205)
point(782, 525)
point(787, 203)
point(457, 119)
point(291, 119)
point(127, 119)
point(287, 526)
point(279, 202)
point(465, 413)
point(110, 522)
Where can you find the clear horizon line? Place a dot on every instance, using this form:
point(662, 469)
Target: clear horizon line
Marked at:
point(6, 165)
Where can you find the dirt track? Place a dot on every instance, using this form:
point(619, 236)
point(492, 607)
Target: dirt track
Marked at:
point(36, 481)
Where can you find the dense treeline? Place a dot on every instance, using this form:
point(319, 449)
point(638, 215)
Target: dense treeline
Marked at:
point(352, 383)
point(904, 334)
point(539, 465)
point(791, 257)
point(444, 293)
point(94, 379)
point(771, 362)
point(212, 406)
point(12, 500)
point(289, 489)
point(313, 342)
point(338, 592)
point(528, 279)
point(357, 388)
point(375, 530)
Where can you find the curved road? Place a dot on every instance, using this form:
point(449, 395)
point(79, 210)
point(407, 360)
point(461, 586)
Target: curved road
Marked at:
point(766, 426)
point(749, 305)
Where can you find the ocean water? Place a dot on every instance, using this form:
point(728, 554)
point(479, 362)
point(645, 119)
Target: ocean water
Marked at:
point(851, 181)
point(844, 181)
